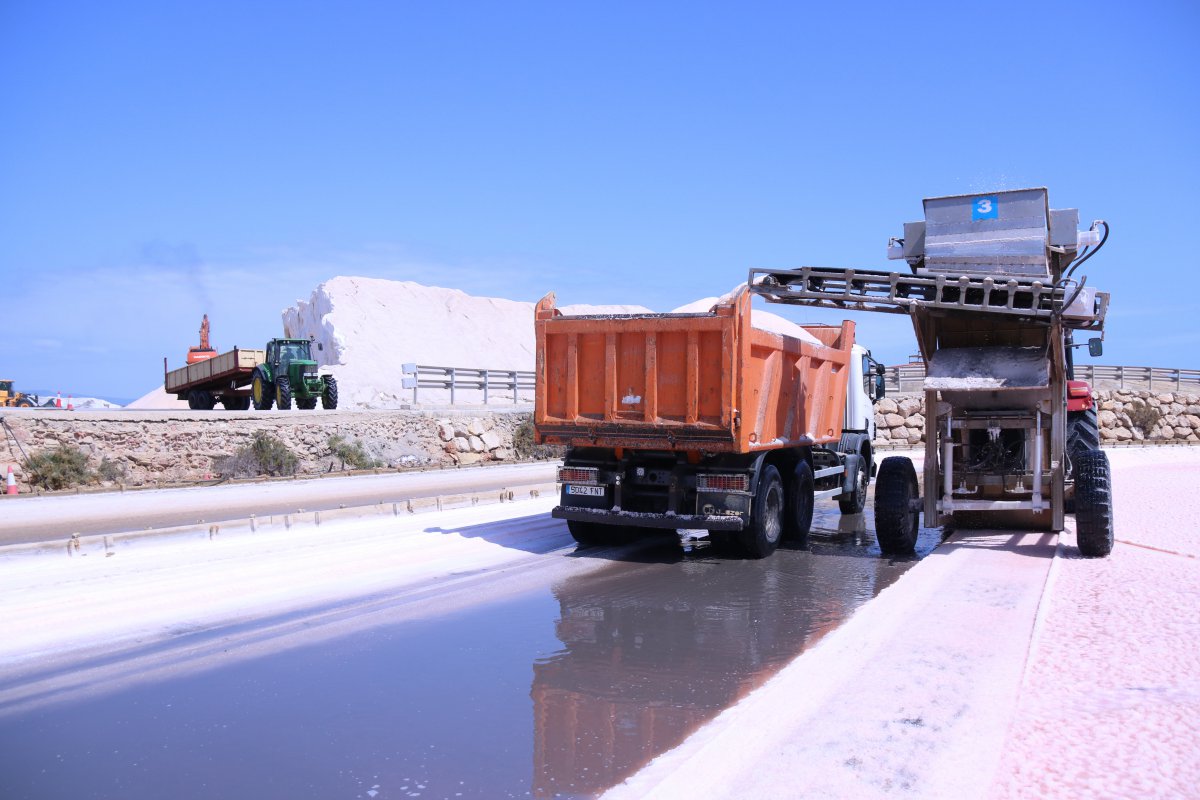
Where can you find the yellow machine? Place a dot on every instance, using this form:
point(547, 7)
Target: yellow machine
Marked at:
point(10, 398)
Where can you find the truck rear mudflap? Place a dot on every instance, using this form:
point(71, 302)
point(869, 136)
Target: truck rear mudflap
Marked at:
point(640, 519)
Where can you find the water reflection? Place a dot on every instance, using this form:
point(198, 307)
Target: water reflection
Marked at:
point(651, 652)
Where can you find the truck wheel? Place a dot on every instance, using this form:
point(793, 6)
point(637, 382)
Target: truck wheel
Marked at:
point(591, 534)
point(1083, 432)
point(766, 520)
point(895, 519)
point(200, 400)
point(1093, 504)
point(329, 398)
point(308, 404)
point(798, 511)
point(283, 393)
point(262, 392)
point(236, 403)
point(857, 501)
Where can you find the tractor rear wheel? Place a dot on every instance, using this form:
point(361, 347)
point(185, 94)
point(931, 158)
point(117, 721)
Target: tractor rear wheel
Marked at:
point(766, 517)
point(896, 521)
point(283, 393)
point(329, 399)
point(262, 392)
point(1083, 432)
point(1093, 504)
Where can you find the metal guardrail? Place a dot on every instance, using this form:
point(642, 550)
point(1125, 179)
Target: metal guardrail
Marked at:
point(492, 383)
point(911, 377)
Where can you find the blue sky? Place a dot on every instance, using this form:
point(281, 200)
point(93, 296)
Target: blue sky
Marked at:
point(162, 160)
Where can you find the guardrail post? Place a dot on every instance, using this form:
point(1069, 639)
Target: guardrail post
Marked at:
point(513, 374)
point(453, 377)
point(485, 386)
point(1178, 383)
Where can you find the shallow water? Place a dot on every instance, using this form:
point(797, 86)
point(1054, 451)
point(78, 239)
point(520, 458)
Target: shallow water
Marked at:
point(562, 691)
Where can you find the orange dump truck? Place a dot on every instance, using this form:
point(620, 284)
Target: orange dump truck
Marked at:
point(702, 421)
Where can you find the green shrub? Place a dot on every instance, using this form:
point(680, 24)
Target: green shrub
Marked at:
point(351, 453)
point(265, 455)
point(525, 446)
point(112, 471)
point(60, 468)
point(1143, 415)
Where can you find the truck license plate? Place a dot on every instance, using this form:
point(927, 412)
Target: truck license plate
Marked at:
point(591, 491)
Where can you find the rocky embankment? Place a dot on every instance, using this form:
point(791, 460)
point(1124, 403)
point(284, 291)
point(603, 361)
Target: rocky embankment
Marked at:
point(147, 448)
point(1125, 416)
point(141, 448)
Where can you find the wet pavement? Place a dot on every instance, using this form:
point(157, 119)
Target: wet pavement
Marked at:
point(560, 692)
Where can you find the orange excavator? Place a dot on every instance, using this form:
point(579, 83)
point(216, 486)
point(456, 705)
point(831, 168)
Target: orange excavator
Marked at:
point(204, 351)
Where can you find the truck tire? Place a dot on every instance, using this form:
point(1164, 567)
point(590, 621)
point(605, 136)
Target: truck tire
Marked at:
point(236, 403)
point(1083, 432)
point(857, 501)
point(766, 518)
point(1093, 504)
point(262, 392)
point(798, 512)
point(283, 393)
point(307, 404)
point(895, 520)
point(200, 400)
point(329, 398)
point(591, 534)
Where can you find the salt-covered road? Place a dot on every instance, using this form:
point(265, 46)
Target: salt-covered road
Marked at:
point(40, 519)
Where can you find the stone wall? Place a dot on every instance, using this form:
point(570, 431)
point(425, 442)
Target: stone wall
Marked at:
point(169, 448)
point(1125, 416)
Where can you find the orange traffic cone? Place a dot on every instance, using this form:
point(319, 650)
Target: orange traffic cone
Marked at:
point(58, 399)
point(70, 404)
point(12, 482)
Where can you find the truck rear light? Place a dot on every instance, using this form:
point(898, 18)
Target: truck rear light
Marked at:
point(1078, 389)
point(588, 475)
point(711, 482)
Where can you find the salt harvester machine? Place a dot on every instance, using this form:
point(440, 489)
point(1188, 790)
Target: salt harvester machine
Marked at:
point(995, 297)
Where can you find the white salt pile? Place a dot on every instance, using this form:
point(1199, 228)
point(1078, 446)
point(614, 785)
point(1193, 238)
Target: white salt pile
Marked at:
point(763, 320)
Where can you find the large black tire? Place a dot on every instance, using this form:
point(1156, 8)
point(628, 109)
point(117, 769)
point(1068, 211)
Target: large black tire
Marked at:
point(262, 392)
point(1093, 504)
point(798, 508)
point(308, 403)
point(766, 518)
point(855, 503)
point(1083, 432)
point(200, 400)
point(283, 393)
point(235, 403)
point(24, 402)
point(592, 534)
point(896, 522)
point(329, 399)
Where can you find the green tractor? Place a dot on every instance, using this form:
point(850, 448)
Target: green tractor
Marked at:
point(290, 373)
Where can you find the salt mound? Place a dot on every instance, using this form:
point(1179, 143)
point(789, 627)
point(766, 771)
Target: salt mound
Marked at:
point(158, 398)
point(370, 327)
point(763, 320)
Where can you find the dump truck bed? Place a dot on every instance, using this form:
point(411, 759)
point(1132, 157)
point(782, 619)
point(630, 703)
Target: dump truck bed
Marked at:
point(227, 370)
point(710, 382)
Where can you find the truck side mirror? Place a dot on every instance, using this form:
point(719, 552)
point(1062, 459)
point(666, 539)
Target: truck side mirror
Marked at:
point(320, 346)
point(1095, 347)
point(880, 386)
